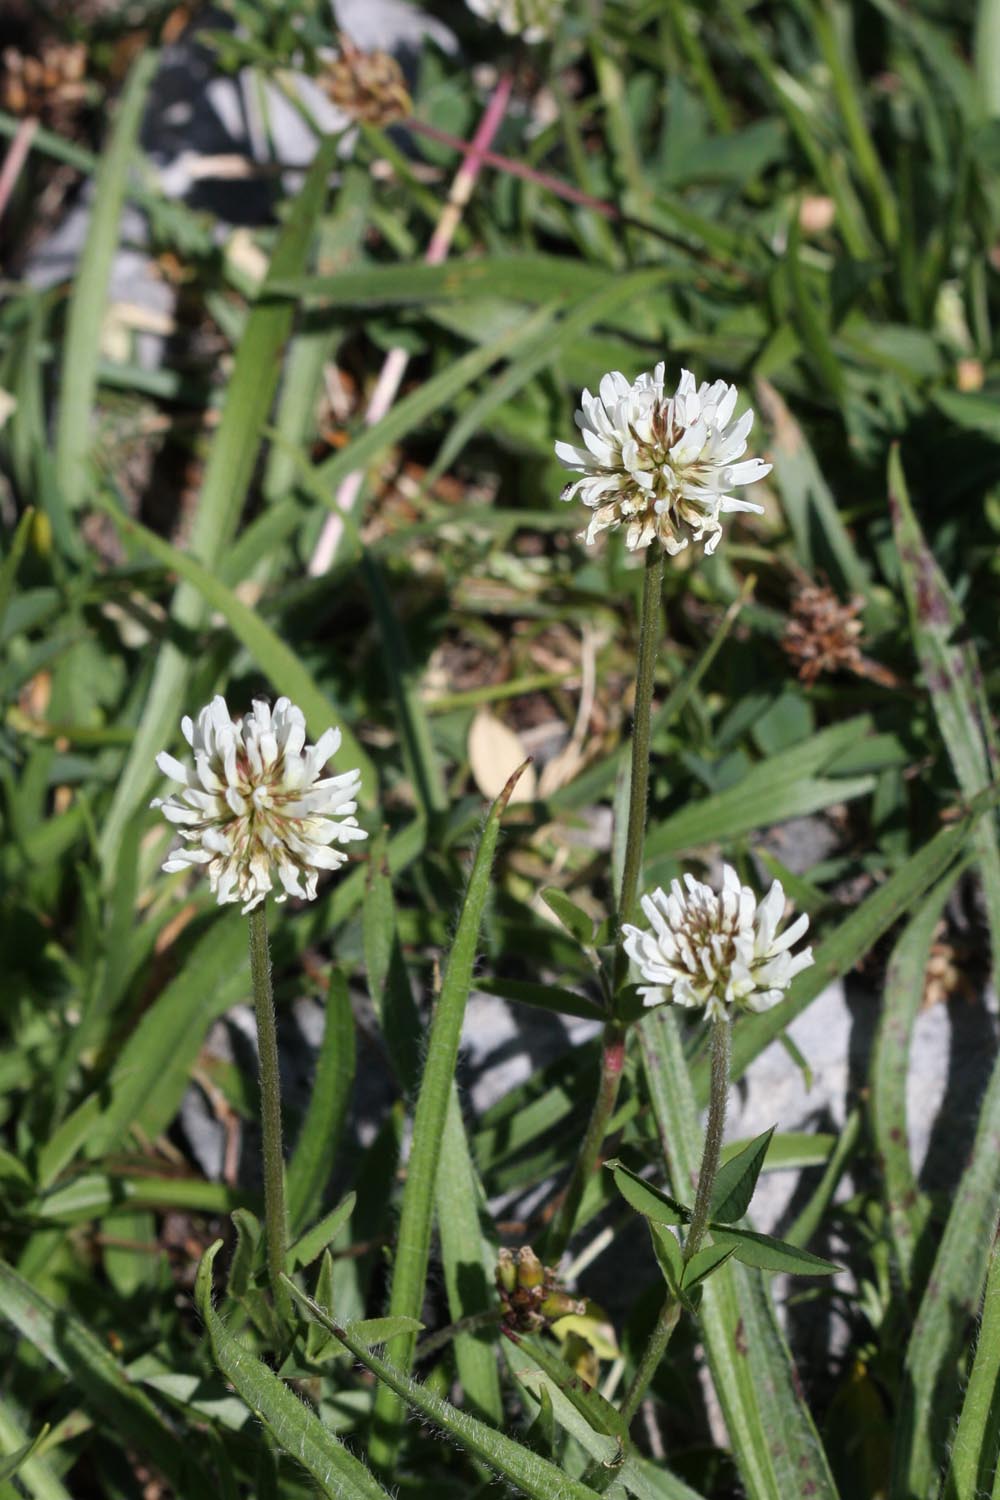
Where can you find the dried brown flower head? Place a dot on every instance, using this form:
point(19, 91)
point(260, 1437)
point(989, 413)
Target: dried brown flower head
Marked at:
point(48, 86)
point(947, 970)
point(824, 635)
point(368, 86)
point(529, 1291)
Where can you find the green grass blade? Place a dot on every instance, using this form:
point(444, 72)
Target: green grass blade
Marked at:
point(986, 55)
point(931, 1388)
point(417, 408)
point(151, 1071)
point(849, 942)
point(69, 1347)
point(34, 1473)
point(951, 674)
point(775, 1443)
point(283, 667)
point(82, 344)
point(902, 999)
point(522, 278)
point(414, 729)
point(227, 478)
point(11, 563)
point(821, 538)
point(413, 1242)
point(468, 1262)
point(315, 1150)
point(975, 1447)
point(532, 1475)
point(548, 345)
point(783, 786)
point(293, 1425)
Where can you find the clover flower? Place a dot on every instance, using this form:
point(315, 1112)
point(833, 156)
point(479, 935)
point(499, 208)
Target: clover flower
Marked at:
point(721, 951)
point(254, 803)
point(531, 20)
point(661, 466)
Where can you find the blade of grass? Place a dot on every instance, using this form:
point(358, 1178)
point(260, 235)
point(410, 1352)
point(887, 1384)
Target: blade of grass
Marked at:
point(468, 1264)
point(283, 667)
point(414, 729)
point(33, 1471)
point(775, 789)
point(851, 940)
point(931, 1385)
point(227, 478)
point(822, 539)
point(413, 1242)
point(975, 1447)
point(902, 999)
point(312, 1160)
point(82, 343)
point(952, 677)
point(775, 1443)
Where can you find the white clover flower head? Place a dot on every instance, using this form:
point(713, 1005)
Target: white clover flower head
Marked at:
point(661, 466)
point(254, 803)
point(531, 20)
point(722, 951)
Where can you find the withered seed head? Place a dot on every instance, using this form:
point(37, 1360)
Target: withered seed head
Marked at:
point(824, 635)
point(368, 85)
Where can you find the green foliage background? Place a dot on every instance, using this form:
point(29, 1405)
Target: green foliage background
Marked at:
point(801, 197)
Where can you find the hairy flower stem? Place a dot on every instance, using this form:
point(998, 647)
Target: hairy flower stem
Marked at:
point(716, 1124)
point(613, 1040)
point(612, 1062)
point(671, 1310)
point(649, 640)
point(270, 1108)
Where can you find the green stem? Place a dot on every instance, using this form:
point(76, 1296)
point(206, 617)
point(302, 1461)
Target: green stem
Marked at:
point(270, 1109)
point(671, 1309)
point(654, 1351)
point(718, 1095)
point(489, 1317)
point(612, 1062)
point(613, 1041)
point(649, 640)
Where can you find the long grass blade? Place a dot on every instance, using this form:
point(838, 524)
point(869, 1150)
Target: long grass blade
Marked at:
point(82, 345)
point(227, 478)
point(413, 1242)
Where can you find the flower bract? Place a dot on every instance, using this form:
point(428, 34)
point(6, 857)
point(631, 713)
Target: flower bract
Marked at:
point(255, 805)
point(721, 951)
point(663, 466)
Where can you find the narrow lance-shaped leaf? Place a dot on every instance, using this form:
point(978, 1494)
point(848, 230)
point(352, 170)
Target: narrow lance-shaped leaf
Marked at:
point(533, 1475)
point(413, 1244)
point(293, 1425)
